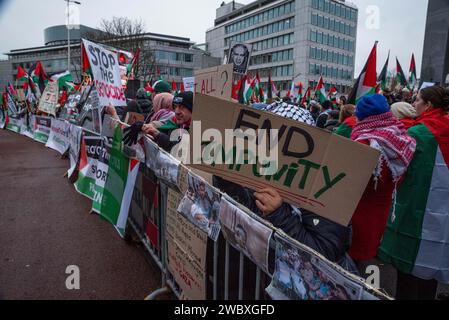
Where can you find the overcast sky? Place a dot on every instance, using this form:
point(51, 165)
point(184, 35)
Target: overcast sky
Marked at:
point(401, 23)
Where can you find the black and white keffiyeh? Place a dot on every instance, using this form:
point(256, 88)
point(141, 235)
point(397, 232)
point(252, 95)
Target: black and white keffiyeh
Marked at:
point(291, 111)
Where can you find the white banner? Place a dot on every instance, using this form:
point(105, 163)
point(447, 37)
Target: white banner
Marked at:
point(106, 71)
point(189, 84)
point(59, 136)
point(49, 99)
point(75, 135)
point(28, 126)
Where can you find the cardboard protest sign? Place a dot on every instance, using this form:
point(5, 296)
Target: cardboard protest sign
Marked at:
point(133, 117)
point(216, 81)
point(42, 129)
point(75, 138)
point(20, 95)
point(187, 248)
point(59, 136)
point(301, 275)
point(14, 124)
point(316, 170)
point(189, 84)
point(106, 71)
point(245, 233)
point(49, 99)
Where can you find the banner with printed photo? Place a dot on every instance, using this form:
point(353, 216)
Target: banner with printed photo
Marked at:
point(301, 275)
point(28, 123)
point(151, 154)
point(14, 124)
point(75, 139)
point(42, 127)
point(3, 116)
point(201, 206)
point(245, 233)
point(49, 99)
point(167, 168)
point(93, 168)
point(106, 71)
point(187, 251)
point(59, 136)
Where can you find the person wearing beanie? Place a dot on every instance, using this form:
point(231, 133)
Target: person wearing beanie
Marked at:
point(405, 113)
point(416, 239)
point(379, 129)
point(324, 116)
point(144, 102)
point(183, 106)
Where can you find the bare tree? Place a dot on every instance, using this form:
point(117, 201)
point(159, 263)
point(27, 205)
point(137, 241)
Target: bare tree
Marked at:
point(128, 35)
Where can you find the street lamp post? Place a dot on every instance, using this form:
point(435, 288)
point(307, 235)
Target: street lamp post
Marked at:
point(68, 30)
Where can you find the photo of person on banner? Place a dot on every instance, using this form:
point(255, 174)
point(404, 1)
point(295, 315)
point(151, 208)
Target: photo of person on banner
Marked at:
point(201, 206)
point(239, 55)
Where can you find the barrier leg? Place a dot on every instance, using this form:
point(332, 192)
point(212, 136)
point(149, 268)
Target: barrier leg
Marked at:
point(157, 293)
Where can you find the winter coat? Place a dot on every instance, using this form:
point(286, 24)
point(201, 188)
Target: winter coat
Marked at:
point(326, 237)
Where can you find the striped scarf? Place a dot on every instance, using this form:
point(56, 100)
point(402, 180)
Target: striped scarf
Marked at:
point(388, 135)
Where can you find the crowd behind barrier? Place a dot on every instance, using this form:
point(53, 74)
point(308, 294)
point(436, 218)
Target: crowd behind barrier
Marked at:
point(224, 252)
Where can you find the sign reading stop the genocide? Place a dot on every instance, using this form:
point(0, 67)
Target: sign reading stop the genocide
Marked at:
point(106, 72)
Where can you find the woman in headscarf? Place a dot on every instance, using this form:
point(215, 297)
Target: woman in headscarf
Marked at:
point(162, 108)
point(378, 128)
point(416, 240)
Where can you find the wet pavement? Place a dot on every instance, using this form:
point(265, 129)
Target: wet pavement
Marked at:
point(45, 226)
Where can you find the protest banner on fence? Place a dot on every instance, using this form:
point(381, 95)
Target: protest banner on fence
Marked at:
point(216, 81)
point(59, 136)
point(110, 205)
point(316, 170)
point(28, 123)
point(75, 139)
point(301, 275)
point(14, 124)
point(42, 129)
point(187, 248)
point(12, 107)
point(3, 116)
point(106, 72)
point(93, 168)
point(49, 99)
point(245, 233)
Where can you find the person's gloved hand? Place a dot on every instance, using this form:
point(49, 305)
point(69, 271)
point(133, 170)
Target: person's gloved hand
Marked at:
point(132, 133)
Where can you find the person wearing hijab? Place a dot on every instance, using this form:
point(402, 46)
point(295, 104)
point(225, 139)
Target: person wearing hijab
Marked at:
point(405, 113)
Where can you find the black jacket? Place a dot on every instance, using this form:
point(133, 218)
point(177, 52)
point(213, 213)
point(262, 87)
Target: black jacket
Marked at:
point(163, 139)
point(326, 237)
point(145, 105)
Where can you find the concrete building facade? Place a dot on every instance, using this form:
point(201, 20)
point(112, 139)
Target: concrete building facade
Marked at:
point(435, 64)
point(175, 57)
point(291, 39)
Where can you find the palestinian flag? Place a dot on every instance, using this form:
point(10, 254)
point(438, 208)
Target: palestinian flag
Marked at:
point(345, 129)
point(235, 89)
point(87, 70)
point(413, 80)
point(332, 92)
point(249, 89)
point(119, 186)
point(21, 75)
point(383, 75)
point(416, 239)
point(64, 80)
point(307, 97)
point(130, 67)
point(367, 81)
point(258, 91)
point(39, 77)
point(270, 90)
point(320, 91)
point(183, 89)
point(400, 75)
point(174, 88)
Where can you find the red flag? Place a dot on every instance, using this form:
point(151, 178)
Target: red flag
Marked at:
point(174, 87)
point(183, 89)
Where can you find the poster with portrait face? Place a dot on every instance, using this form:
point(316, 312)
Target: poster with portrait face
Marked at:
point(201, 206)
point(245, 233)
point(301, 275)
point(239, 55)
